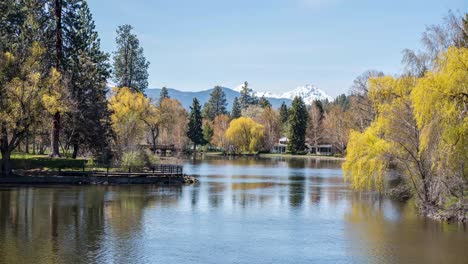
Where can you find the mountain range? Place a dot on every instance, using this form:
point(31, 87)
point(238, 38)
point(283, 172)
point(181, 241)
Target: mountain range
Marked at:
point(307, 92)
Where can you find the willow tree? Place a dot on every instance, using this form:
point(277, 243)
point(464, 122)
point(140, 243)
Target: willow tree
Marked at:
point(419, 134)
point(245, 134)
point(440, 102)
point(131, 113)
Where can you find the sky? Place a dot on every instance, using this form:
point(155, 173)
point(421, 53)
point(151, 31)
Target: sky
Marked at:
point(275, 45)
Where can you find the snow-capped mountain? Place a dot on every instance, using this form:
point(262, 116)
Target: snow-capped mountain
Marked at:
point(308, 93)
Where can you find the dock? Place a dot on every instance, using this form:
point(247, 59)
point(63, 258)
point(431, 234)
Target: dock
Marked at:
point(160, 174)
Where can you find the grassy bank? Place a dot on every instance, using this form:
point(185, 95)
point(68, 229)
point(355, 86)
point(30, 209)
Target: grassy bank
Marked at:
point(28, 162)
point(271, 155)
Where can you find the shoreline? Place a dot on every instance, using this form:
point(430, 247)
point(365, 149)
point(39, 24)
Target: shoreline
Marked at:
point(270, 155)
point(96, 180)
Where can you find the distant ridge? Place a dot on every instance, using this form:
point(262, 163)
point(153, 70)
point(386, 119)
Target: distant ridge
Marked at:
point(307, 92)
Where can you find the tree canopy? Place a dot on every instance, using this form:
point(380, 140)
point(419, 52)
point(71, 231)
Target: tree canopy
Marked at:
point(245, 134)
point(130, 65)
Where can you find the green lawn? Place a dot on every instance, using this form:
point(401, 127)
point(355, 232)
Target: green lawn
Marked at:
point(28, 161)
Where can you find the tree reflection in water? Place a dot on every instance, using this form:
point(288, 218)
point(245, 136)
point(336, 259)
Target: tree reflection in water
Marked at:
point(261, 210)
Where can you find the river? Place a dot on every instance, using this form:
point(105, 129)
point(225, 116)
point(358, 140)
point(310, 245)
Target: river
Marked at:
point(271, 210)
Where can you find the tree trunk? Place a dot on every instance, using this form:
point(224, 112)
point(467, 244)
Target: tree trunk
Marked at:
point(26, 144)
point(76, 147)
point(58, 35)
point(5, 165)
point(55, 151)
point(194, 150)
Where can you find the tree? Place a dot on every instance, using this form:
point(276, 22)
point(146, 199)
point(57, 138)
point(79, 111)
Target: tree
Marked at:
point(130, 65)
point(20, 99)
point(195, 130)
point(236, 109)
point(343, 101)
point(419, 134)
point(59, 66)
point(315, 123)
point(440, 103)
point(152, 119)
point(130, 110)
point(464, 32)
point(254, 112)
point(263, 102)
point(270, 119)
point(436, 39)
point(88, 70)
point(173, 123)
point(163, 95)
point(247, 96)
point(216, 105)
point(208, 132)
point(297, 126)
point(361, 106)
point(245, 134)
point(337, 123)
point(220, 125)
point(284, 117)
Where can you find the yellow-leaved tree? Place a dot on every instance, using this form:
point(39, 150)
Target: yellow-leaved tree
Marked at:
point(55, 102)
point(245, 134)
point(131, 113)
point(20, 99)
point(440, 102)
point(419, 135)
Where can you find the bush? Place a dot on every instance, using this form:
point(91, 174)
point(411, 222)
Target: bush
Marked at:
point(132, 160)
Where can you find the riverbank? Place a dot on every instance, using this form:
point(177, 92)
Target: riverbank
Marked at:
point(272, 155)
point(61, 179)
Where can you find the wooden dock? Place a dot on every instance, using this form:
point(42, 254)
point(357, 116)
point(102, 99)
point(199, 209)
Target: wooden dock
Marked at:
point(159, 174)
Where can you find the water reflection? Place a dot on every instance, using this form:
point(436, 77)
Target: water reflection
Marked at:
point(243, 211)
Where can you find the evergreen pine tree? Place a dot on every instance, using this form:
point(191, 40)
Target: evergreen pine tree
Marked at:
point(284, 113)
point(216, 105)
point(297, 125)
point(319, 105)
point(236, 109)
point(195, 130)
point(343, 101)
point(208, 133)
point(247, 96)
point(163, 95)
point(88, 69)
point(263, 102)
point(130, 65)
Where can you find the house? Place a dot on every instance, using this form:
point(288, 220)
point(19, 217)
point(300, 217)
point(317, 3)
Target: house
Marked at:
point(321, 150)
point(281, 146)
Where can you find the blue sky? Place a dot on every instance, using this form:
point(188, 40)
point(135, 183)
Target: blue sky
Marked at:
point(276, 45)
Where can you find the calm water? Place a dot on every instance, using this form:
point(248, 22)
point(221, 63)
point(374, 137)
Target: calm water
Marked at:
point(243, 211)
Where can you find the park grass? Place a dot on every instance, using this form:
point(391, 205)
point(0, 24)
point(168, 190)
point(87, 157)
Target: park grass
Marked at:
point(28, 162)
